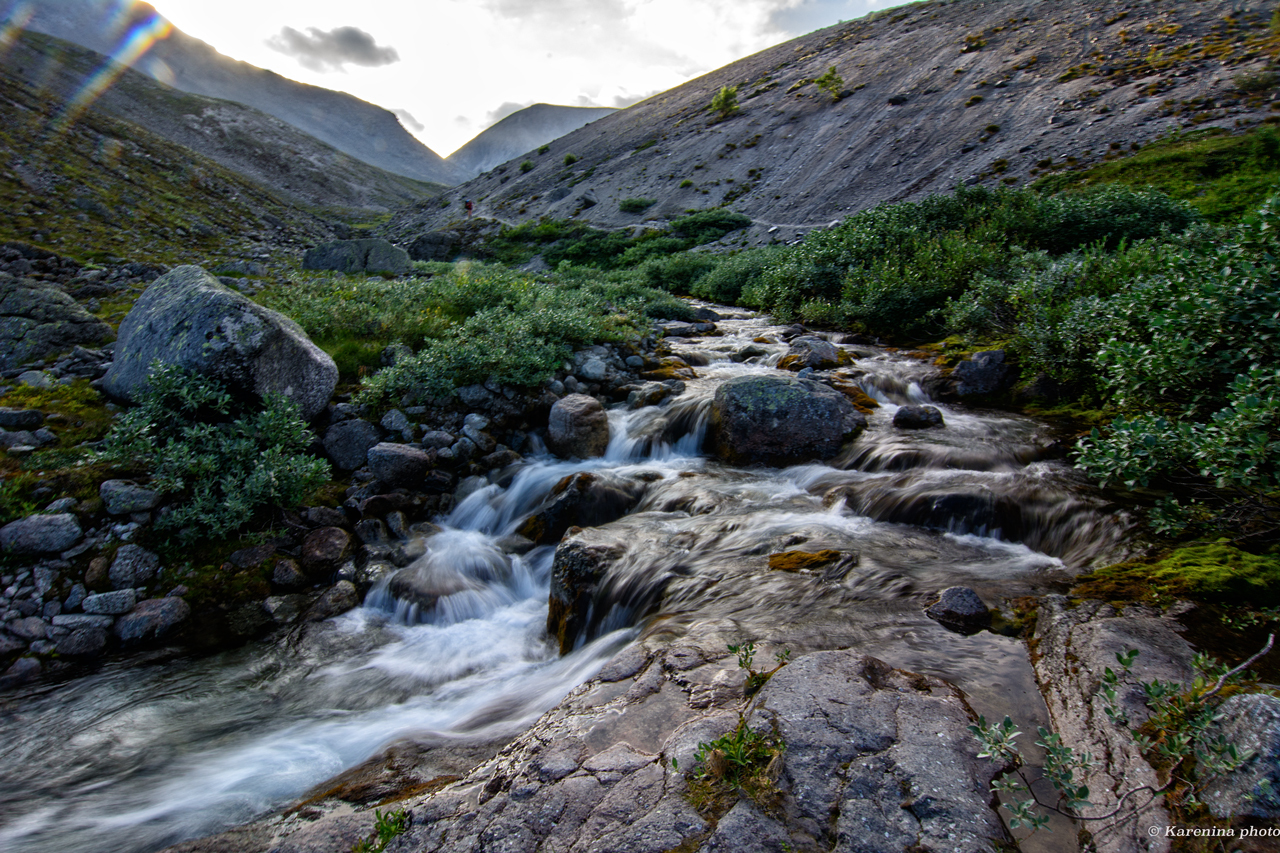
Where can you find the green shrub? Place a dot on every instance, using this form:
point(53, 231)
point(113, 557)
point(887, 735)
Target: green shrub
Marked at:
point(685, 184)
point(1190, 356)
point(831, 83)
point(677, 273)
point(516, 329)
point(570, 159)
point(526, 166)
point(725, 102)
point(708, 225)
point(543, 149)
point(636, 205)
point(725, 282)
point(223, 459)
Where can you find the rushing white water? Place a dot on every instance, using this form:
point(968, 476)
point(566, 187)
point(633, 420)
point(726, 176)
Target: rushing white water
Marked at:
point(135, 758)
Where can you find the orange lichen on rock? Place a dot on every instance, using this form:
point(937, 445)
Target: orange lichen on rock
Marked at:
point(798, 561)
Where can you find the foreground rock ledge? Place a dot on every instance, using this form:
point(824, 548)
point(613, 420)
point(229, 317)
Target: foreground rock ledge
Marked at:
point(877, 760)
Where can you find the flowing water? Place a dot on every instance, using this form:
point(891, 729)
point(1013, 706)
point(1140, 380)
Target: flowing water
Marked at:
point(133, 758)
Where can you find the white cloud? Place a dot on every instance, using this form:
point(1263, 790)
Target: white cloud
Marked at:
point(322, 51)
point(470, 55)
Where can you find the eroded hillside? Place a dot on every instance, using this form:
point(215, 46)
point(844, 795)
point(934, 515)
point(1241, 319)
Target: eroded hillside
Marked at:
point(934, 95)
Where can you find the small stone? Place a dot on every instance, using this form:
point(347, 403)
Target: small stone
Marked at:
point(76, 621)
point(61, 505)
point(30, 628)
point(960, 609)
point(152, 619)
point(437, 439)
point(337, 600)
point(133, 566)
point(251, 558)
point(36, 379)
point(288, 575)
point(347, 443)
point(283, 609)
point(115, 603)
point(323, 550)
point(74, 597)
point(125, 497)
point(22, 671)
point(20, 418)
point(83, 642)
point(578, 427)
point(97, 576)
point(400, 465)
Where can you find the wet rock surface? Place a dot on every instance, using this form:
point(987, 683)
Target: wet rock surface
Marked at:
point(776, 421)
point(876, 759)
point(1077, 645)
point(578, 427)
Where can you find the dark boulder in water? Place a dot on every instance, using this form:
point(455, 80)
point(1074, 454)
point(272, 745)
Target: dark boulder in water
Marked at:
point(917, 417)
point(582, 500)
point(776, 420)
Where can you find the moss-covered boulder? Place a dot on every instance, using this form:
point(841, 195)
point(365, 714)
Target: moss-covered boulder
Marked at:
point(187, 318)
point(777, 420)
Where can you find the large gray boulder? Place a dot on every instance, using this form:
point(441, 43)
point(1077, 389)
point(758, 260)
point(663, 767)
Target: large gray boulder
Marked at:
point(352, 256)
point(578, 427)
point(434, 246)
point(41, 534)
point(777, 420)
point(187, 318)
point(38, 319)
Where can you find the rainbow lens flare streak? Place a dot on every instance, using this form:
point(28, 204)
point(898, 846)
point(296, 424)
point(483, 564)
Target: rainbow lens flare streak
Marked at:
point(136, 43)
point(16, 23)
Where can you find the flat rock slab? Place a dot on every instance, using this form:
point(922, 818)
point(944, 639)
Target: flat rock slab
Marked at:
point(1076, 645)
point(876, 760)
point(38, 319)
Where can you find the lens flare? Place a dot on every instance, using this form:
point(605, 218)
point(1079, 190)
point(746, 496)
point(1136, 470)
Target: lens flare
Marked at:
point(140, 39)
point(16, 23)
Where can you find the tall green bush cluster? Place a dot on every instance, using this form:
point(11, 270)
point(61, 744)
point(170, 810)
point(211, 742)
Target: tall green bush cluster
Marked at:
point(1191, 355)
point(221, 458)
point(513, 327)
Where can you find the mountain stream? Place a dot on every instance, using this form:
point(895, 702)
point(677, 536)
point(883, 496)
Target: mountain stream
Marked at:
point(137, 756)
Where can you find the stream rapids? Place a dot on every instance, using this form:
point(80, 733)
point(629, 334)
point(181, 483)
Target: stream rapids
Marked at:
point(138, 756)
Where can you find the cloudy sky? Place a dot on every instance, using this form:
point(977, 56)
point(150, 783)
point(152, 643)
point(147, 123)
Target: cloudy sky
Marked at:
point(450, 68)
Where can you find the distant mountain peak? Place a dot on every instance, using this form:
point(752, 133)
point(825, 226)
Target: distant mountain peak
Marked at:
point(524, 130)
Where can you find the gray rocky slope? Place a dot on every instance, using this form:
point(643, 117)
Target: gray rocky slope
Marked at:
point(935, 94)
point(363, 130)
point(524, 130)
point(277, 155)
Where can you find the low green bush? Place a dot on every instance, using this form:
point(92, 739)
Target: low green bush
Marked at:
point(223, 459)
point(636, 205)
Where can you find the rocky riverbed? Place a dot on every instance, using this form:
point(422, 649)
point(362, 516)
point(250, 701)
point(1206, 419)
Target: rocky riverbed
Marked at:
point(515, 623)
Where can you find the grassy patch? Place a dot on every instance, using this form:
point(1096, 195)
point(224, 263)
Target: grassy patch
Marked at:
point(1223, 176)
point(1215, 572)
point(743, 762)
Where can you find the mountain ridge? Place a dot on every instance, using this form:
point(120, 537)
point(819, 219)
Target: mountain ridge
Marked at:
point(294, 165)
point(362, 130)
